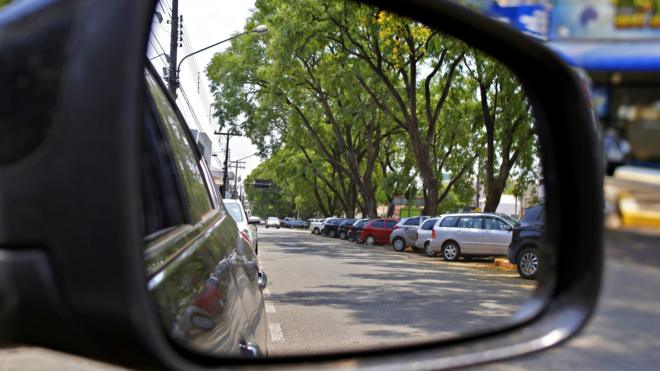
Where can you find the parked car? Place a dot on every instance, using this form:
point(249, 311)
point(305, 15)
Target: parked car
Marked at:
point(273, 222)
point(355, 230)
point(405, 232)
point(293, 223)
point(526, 242)
point(424, 235)
point(472, 234)
point(342, 228)
point(315, 225)
point(247, 225)
point(377, 231)
point(330, 227)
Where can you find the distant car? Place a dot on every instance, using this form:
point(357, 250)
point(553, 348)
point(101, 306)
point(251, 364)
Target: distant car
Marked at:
point(405, 232)
point(424, 235)
point(330, 227)
point(293, 223)
point(342, 228)
point(273, 222)
point(246, 225)
point(377, 231)
point(315, 225)
point(526, 242)
point(355, 230)
point(471, 234)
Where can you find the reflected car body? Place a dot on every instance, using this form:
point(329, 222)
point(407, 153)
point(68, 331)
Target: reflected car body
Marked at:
point(240, 216)
point(424, 233)
point(405, 232)
point(471, 234)
point(378, 231)
point(526, 242)
point(202, 271)
point(315, 225)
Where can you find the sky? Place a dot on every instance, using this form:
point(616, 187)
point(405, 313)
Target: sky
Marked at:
point(205, 22)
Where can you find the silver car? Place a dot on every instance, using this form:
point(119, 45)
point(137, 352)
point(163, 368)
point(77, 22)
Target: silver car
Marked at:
point(425, 233)
point(405, 232)
point(473, 234)
point(247, 225)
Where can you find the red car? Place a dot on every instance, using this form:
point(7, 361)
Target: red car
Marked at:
point(377, 231)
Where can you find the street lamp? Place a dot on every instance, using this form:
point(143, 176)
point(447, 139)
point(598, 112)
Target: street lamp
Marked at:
point(174, 80)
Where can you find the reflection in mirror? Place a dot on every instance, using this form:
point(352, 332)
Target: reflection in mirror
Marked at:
point(398, 174)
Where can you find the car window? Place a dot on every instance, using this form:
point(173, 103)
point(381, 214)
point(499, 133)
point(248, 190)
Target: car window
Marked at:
point(428, 224)
point(495, 224)
point(160, 198)
point(470, 222)
point(378, 224)
point(235, 211)
point(531, 214)
point(412, 221)
point(391, 223)
point(186, 160)
point(449, 221)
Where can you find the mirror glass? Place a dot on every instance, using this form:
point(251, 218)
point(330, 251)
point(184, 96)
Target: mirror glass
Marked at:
point(393, 170)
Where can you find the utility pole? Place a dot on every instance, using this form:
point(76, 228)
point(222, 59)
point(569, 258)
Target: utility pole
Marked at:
point(226, 165)
point(174, 45)
point(241, 163)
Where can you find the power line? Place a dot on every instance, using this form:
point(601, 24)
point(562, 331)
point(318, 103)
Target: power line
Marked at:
point(192, 111)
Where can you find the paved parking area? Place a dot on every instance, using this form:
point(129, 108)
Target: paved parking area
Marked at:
point(328, 294)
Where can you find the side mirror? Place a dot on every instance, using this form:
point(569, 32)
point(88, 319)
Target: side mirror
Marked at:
point(254, 220)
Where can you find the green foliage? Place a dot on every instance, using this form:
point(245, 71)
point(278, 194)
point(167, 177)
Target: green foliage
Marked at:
point(355, 105)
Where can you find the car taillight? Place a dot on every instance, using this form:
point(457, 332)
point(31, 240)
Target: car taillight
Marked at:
point(433, 234)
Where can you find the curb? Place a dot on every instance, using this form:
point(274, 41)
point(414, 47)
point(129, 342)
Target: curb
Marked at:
point(504, 263)
point(632, 215)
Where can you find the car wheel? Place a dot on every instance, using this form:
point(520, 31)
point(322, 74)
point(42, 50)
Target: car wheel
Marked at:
point(342, 235)
point(324, 233)
point(278, 227)
point(450, 251)
point(399, 244)
point(266, 227)
point(351, 238)
point(370, 240)
point(317, 231)
point(427, 250)
point(528, 263)
point(332, 234)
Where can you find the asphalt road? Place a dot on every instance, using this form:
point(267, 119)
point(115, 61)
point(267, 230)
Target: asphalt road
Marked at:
point(328, 294)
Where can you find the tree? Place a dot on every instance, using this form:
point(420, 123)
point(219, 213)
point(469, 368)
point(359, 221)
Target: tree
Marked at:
point(508, 125)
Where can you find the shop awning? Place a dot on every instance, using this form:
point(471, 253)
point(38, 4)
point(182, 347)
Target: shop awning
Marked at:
point(606, 56)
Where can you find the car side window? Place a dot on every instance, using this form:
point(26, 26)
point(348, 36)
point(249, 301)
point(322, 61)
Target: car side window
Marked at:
point(391, 223)
point(449, 221)
point(428, 225)
point(378, 224)
point(413, 221)
point(199, 202)
point(470, 222)
point(494, 224)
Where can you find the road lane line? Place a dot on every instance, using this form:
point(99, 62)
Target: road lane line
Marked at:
point(270, 308)
point(275, 332)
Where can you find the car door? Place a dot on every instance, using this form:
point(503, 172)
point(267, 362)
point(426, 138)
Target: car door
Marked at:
point(410, 230)
point(191, 266)
point(470, 234)
point(496, 236)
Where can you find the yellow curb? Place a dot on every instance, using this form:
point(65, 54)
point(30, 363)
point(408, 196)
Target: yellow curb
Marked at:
point(633, 216)
point(504, 263)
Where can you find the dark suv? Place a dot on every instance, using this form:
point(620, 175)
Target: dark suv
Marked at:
point(526, 242)
point(355, 230)
point(330, 227)
point(342, 228)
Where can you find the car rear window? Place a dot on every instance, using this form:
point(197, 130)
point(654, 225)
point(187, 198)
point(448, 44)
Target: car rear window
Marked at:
point(235, 211)
point(391, 223)
point(428, 225)
point(412, 221)
point(449, 221)
point(378, 224)
point(532, 214)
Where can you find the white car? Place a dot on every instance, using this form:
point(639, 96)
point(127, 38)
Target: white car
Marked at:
point(315, 225)
point(273, 222)
point(246, 225)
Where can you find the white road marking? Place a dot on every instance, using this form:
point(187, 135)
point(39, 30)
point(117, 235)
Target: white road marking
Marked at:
point(275, 332)
point(270, 308)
